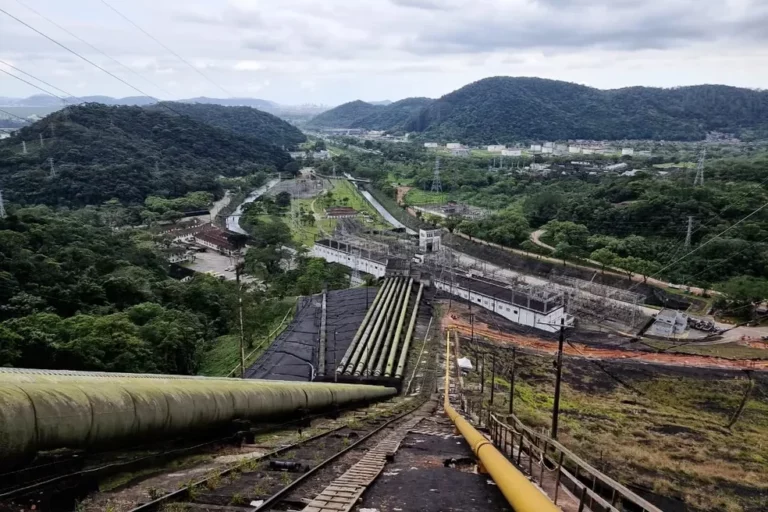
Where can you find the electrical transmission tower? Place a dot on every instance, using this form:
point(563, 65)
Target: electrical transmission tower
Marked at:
point(2, 206)
point(690, 231)
point(436, 185)
point(699, 180)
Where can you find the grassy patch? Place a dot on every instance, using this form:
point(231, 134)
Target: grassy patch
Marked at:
point(666, 433)
point(417, 196)
point(224, 355)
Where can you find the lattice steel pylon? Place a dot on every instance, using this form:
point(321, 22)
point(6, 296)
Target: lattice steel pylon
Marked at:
point(436, 185)
point(699, 179)
point(2, 206)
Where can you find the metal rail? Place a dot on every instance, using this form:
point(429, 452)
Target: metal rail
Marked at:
point(571, 468)
point(520, 493)
point(184, 492)
point(282, 492)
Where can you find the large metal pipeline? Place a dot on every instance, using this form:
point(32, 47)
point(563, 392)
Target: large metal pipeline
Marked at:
point(408, 335)
point(397, 318)
point(356, 339)
point(386, 329)
point(396, 340)
point(46, 410)
point(361, 352)
point(519, 492)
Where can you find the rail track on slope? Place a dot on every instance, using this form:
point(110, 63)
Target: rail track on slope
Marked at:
point(67, 476)
point(267, 482)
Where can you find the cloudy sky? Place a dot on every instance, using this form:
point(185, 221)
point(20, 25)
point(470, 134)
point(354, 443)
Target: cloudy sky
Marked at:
point(332, 51)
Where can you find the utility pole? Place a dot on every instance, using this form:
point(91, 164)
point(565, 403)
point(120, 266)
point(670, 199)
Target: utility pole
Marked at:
point(23, 147)
point(493, 379)
point(238, 270)
point(690, 231)
point(53, 169)
point(2, 206)
point(512, 383)
point(482, 374)
point(558, 378)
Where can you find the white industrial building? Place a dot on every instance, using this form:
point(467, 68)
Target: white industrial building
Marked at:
point(524, 305)
point(549, 144)
point(431, 145)
point(547, 150)
point(587, 151)
point(536, 148)
point(574, 149)
point(627, 151)
point(350, 256)
point(512, 152)
point(498, 148)
point(454, 145)
point(669, 323)
point(430, 240)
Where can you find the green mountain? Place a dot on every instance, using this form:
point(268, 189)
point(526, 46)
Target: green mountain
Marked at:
point(506, 109)
point(245, 121)
point(103, 152)
point(343, 116)
point(359, 114)
point(392, 116)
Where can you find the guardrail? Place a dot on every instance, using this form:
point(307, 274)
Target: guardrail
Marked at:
point(593, 489)
point(519, 492)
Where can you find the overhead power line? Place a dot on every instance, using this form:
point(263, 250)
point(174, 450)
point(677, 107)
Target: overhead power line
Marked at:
point(94, 48)
point(161, 103)
point(169, 50)
point(38, 79)
point(33, 85)
point(14, 115)
point(73, 52)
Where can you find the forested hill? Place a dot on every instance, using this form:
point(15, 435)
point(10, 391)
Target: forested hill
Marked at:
point(392, 116)
point(506, 109)
point(343, 116)
point(359, 114)
point(103, 152)
point(245, 121)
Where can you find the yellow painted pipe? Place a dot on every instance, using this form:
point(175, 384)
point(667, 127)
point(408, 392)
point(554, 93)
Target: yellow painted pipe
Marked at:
point(520, 493)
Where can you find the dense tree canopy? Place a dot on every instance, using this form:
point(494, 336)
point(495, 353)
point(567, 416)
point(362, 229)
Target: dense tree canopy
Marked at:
point(359, 114)
point(244, 121)
point(507, 109)
point(76, 295)
point(126, 153)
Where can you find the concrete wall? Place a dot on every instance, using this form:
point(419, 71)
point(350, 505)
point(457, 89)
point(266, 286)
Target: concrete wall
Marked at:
point(349, 260)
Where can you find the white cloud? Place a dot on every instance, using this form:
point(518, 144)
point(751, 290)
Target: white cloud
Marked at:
point(303, 51)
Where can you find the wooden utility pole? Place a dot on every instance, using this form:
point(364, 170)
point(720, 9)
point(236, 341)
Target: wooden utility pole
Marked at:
point(493, 376)
point(558, 378)
point(482, 373)
point(238, 269)
point(512, 384)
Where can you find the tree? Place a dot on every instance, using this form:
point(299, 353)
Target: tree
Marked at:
point(283, 199)
point(603, 256)
point(467, 227)
point(291, 168)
